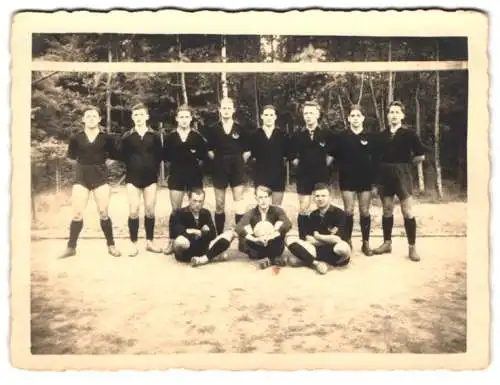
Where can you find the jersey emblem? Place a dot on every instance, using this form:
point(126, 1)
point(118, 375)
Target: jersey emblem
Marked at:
point(235, 135)
point(322, 144)
point(193, 150)
point(364, 142)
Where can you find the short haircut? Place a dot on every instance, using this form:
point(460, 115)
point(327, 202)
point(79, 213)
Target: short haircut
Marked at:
point(184, 107)
point(268, 107)
point(263, 188)
point(91, 108)
point(226, 100)
point(356, 107)
point(321, 186)
point(396, 103)
point(197, 191)
point(311, 103)
point(139, 106)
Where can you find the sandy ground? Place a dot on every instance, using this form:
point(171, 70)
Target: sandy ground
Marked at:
point(96, 304)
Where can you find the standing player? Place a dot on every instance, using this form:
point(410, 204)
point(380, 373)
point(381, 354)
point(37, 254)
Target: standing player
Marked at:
point(269, 146)
point(184, 149)
point(228, 147)
point(141, 151)
point(91, 150)
point(325, 236)
point(269, 246)
point(353, 149)
point(399, 148)
point(310, 153)
point(192, 229)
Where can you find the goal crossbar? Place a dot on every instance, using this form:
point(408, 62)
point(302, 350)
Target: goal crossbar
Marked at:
point(176, 67)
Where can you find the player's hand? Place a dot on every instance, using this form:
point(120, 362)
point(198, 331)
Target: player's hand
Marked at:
point(374, 191)
point(295, 162)
point(310, 239)
point(246, 156)
point(315, 234)
point(205, 229)
point(211, 155)
point(195, 232)
point(109, 162)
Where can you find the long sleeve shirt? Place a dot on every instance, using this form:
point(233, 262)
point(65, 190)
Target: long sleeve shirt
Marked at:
point(273, 215)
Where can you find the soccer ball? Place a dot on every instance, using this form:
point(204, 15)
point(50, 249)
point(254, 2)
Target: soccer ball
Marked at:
point(263, 228)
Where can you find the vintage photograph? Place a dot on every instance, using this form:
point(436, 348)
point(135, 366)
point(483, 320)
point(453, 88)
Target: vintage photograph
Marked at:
point(275, 194)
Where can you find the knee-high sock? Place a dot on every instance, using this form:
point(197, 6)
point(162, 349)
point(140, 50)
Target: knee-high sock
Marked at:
point(302, 223)
point(107, 229)
point(217, 248)
point(387, 223)
point(411, 230)
point(220, 219)
point(301, 253)
point(75, 228)
point(133, 228)
point(365, 224)
point(349, 222)
point(149, 226)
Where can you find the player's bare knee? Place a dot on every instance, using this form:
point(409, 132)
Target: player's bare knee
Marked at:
point(103, 215)
point(181, 243)
point(342, 249)
point(228, 235)
point(149, 212)
point(291, 239)
point(364, 211)
point(388, 211)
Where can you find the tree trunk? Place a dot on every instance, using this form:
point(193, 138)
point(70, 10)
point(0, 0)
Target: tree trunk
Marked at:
point(256, 97)
point(108, 92)
point(382, 108)
point(223, 75)
point(361, 88)
point(420, 167)
point(439, 185)
point(183, 75)
point(342, 110)
point(390, 94)
point(374, 99)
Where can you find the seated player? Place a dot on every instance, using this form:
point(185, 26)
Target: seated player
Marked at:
point(353, 150)
point(228, 149)
point(310, 153)
point(91, 151)
point(399, 148)
point(324, 242)
point(184, 150)
point(191, 228)
point(263, 229)
point(269, 147)
point(141, 151)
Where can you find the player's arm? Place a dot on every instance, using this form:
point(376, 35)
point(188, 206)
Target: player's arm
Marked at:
point(243, 227)
point(283, 225)
point(112, 148)
point(208, 230)
point(176, 224)
point(72, 153)
point(202, 150)
point(331, 239)
point(292, 151)
point(247, 145)
point(418, 149)
point(166, 150)
point(206, 132)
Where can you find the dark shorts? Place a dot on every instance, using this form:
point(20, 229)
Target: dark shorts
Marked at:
point(228, 170)
point(91, 176)
point(141, 182)
point(306, 183)
point(274, 249)
point(355, 181)
point(274, 179)
point(395, 179)
point(197, 248)
point(326, 254)
point(185, 182)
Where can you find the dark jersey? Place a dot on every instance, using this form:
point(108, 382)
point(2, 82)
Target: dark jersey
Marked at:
point(269, 153)
point(332, 222)
point(235, 142)
point(142, 156)
point(311, 152)
point(253, 216)
point(400, 147)
point(183, 219)
point(85, 152)
point(354, 153)
point(184, 157)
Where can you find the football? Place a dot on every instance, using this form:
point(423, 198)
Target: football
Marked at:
point(263, 228)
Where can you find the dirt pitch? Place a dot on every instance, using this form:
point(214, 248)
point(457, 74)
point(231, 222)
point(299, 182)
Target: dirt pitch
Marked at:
point(95, 304)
